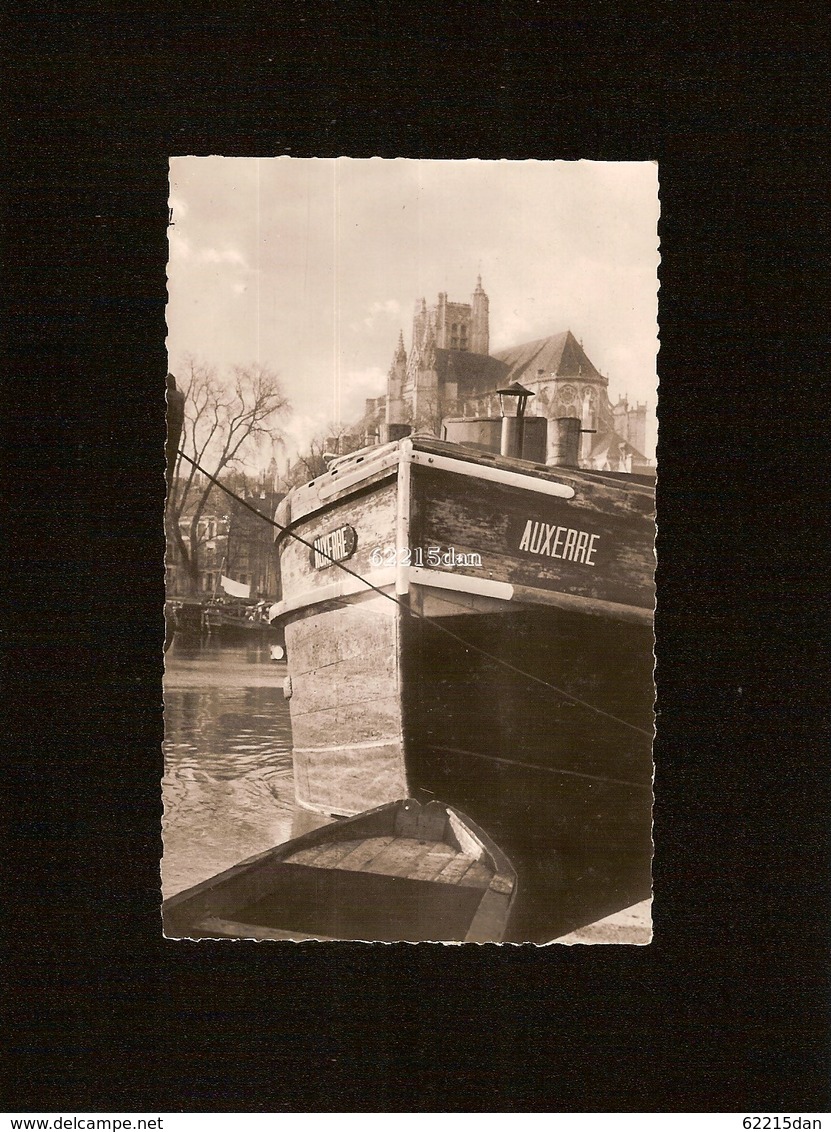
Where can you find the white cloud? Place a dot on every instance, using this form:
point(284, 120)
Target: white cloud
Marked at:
point(389, 308)
point(227, 255)
point(180, 248)
point(512, 329)
point(356, 386)
point(179, 206)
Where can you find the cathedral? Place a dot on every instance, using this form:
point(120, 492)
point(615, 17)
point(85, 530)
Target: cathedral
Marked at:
point(449, 379)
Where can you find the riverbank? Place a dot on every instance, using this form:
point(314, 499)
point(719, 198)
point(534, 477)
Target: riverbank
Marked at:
point(630, 925)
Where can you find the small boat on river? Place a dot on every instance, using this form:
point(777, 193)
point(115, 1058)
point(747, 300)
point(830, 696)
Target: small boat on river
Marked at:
point(404, 872)
point(238, 622)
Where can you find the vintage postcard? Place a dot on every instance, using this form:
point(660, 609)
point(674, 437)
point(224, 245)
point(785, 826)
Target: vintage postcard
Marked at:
point(412, 425)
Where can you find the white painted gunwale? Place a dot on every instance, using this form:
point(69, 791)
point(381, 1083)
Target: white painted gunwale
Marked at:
point(326, 487)
point(391, 578)
point(345, 587)
point(491, 474)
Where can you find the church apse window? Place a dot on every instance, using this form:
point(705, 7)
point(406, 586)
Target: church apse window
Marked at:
point(568, 406)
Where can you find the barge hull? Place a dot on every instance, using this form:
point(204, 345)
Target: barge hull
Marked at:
point(534, 713)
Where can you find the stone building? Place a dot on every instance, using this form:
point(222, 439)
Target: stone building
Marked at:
point(449, 376)
point(230, 541)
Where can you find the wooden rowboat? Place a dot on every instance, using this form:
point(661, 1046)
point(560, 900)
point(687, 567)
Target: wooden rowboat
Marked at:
point(402, 872)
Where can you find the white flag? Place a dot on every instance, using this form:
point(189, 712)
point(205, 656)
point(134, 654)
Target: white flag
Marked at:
point(234, 589)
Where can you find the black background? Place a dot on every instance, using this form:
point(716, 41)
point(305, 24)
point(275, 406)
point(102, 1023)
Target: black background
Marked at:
point(727, 1009)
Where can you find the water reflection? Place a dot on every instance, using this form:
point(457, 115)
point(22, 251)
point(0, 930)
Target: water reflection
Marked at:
point(228, 789)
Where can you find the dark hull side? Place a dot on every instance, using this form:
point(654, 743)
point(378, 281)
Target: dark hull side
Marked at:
point(536, 769)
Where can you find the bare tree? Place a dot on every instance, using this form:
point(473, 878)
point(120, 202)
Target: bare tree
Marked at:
point(226, 420)
point(332, 441)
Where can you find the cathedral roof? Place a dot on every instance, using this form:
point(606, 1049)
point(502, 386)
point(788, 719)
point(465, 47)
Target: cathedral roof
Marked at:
point(561, 355)
point(479, 371)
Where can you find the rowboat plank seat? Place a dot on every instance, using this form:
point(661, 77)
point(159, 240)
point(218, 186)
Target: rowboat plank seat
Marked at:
point(401, 872)
point(399, 856)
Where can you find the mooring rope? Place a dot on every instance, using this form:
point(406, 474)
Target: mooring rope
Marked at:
point(414, 613)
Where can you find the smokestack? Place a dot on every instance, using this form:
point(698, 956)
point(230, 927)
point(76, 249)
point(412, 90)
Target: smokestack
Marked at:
point(513, 428)
point(565, 442)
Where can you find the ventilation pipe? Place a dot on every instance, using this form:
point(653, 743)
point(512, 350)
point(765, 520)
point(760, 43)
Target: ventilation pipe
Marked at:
point(513, 428)
point(565, 448)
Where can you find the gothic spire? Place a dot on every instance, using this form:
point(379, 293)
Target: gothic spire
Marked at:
point(428, 350)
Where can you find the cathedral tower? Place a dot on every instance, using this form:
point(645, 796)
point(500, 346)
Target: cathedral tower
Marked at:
point(454, 326)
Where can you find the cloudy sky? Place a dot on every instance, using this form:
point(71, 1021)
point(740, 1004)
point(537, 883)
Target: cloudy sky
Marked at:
point(312, 267)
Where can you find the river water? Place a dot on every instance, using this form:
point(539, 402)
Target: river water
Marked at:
point(228, 790)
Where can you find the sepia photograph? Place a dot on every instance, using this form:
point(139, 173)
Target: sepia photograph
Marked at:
point(410, 551)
